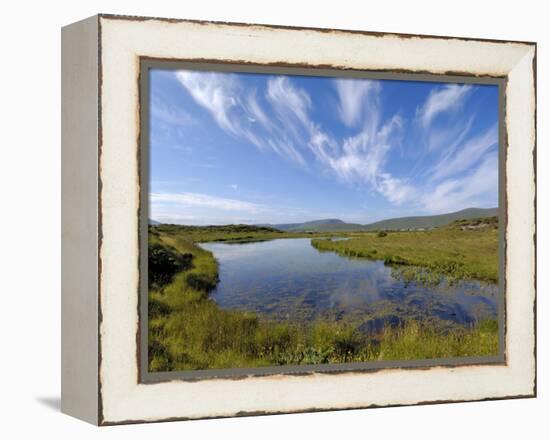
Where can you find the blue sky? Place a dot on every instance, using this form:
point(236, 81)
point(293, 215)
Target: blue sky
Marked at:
point(255, 148)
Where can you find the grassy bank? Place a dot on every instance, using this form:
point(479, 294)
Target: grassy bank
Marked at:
point(187, 330)
point(455, 252)
point(233, 233)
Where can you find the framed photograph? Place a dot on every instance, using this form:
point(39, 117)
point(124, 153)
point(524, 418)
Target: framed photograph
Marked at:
point(262, 219)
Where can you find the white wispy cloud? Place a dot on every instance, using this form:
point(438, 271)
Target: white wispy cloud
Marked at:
point(288, 100)
point(256, 112)
point(165, 216)
point(286, 149)
point(188, 199)
point(280, 119)
point(204, 209)
point(291, 132)
point(447, 98)
point(353, 96)
point(240, 113)
point(362, 159)
point(477, 188)
point(212, 218)
point(396, 190)
point(358, 159)
point(448, 137)
point(170, 114)
point(214, 91)
point(466, 155)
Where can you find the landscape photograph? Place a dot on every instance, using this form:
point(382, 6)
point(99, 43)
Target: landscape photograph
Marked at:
point(308, 220)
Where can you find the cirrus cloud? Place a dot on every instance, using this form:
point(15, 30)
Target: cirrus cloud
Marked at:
point(280, 117)
point(444, 99)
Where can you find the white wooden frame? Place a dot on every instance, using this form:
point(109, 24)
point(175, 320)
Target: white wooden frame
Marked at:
point(100, 359)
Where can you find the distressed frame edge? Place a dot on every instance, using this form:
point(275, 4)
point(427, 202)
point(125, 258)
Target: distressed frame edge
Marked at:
point(124, 17)
point(104, 422)
point(533, 174)
point(535, 274)
point(80, 121)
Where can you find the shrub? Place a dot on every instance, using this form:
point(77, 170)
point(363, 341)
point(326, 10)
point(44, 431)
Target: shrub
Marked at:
point(164, 263)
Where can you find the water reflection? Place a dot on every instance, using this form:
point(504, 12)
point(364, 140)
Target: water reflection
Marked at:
point(289, 279)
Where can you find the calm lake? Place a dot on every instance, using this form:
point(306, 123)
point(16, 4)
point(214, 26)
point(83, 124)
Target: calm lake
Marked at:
point(289, 279)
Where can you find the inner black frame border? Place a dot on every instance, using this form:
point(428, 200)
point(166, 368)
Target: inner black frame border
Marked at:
point(146, 64)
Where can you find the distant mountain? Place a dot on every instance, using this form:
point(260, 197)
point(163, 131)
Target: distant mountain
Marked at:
point(431, 221)
point(418, 222)
point(154, 222)
point(324, 225)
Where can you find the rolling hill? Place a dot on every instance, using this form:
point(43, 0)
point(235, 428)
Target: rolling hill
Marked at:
point(324, 225)
point(417, 222)
point(431, 221)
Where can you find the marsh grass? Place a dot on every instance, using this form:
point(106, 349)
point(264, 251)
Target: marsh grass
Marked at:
point(189, 331)
point(415, 341)
point(427, 256)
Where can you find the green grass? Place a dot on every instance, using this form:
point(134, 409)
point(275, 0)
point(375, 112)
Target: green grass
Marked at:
point(189, 331)
point(231, 233)
point(428, 255)
point(415, 341)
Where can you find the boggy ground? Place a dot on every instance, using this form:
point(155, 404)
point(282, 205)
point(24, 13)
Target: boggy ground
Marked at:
point(187, 330)
point(466, 249)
